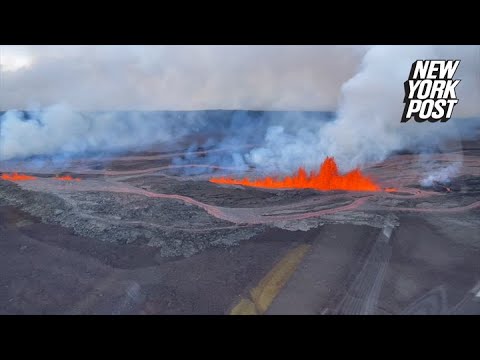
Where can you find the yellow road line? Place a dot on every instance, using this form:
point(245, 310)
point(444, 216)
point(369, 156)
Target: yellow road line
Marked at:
point(244, 307)
point(269, 287)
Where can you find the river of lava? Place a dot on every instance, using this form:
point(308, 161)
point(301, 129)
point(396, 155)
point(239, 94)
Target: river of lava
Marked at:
point(67, 178)
point(17, 177)
point(326, 179)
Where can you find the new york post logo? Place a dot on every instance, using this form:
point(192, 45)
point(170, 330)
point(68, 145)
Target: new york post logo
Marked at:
point(430, 91)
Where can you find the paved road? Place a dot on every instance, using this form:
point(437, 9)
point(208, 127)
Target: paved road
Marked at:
point(44, 269)
point(413, 269)
point(335, 269)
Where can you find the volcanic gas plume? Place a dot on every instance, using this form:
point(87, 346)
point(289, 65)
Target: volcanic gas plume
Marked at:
point(17, 177)
point(326, 179)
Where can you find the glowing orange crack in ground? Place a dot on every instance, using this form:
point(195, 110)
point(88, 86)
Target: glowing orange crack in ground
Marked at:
point(66, 178)
point(17, 177)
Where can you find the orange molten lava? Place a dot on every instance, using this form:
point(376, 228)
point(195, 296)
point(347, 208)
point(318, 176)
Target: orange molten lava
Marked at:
point(67, 178)
point(391, 189)
point(17, 177)
point(327, 178)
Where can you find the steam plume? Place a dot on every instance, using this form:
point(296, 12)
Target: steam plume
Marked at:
point(364, 85)
point(368, 128)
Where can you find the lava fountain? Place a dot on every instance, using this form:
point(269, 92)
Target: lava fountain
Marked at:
point(17, 177)
point(66, 178)
point(326, 179)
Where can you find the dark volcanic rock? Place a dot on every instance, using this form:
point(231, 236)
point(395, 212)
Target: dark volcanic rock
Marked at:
point(176, 228)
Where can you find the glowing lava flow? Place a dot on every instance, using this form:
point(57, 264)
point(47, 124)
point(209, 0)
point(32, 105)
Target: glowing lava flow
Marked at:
point(17, 177)
point(390, 189)
point(67, 178)
point(326, 179)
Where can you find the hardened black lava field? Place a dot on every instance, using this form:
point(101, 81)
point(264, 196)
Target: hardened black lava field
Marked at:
point(121, 239)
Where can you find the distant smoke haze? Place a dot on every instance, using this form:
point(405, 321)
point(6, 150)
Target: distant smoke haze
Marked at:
point(176, 77)
point(362, 84)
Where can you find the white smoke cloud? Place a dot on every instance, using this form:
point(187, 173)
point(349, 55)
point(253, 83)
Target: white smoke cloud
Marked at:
point(442, 175)
point(58, 130)
point(368, 128)
point(364, 84)
point(112, 78)
point(176, 77)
